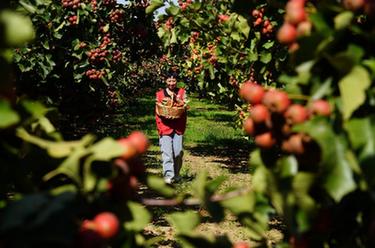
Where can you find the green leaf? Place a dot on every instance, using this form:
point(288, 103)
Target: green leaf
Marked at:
point(35, 108)
point(322, 90)
point(240, 204)
point(362, 135)
point(265, 57)
point(320, 23)
point(235, 36)
point(337, 174)
point(287, 166)
point(184, 222)
point(268, 44)
point(343, 19)
point(30, 8)
point(199, 185)
point(344, 61)
point(154, 5)
point(173, 36)
point(370, 64)
point(8, 115)
point(106, 149)
point(243, 26)
point(18, 28)
point(172, 10)
point(353, 90)
point(140, 217)
point(158, 184)
point(302, 183)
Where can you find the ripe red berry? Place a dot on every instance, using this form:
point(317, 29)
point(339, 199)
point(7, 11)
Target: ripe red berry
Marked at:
point(107, 224)
point(277, 101)
point(304, 28)
point(139, 141)
point(265, 140)
point(287, 33)
point(248, 126)
point(129, 149)
point(294, 144)
point(252, 93)
point(320, 107)
point(241, 245)
point(295, 12)
point(295, 114)
point(259, 113)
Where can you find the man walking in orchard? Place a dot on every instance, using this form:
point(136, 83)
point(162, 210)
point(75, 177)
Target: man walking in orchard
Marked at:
point(171, 128)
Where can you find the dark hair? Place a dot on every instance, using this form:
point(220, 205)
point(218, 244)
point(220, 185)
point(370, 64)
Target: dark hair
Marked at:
point(170, 74)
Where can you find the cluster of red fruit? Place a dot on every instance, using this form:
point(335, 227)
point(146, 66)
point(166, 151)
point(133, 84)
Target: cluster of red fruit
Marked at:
point(97, 55)
point(258, 15)
point(94, 5)
point(116, 15)
point(296, 24)
point(74, 4)
point(109, 2)
point(130, 166)
point(95, 74)
point(184, 5)
point(106, 40)
point(273, 115)
point(73, 20)
point(169, 23)
point(194, 36)
point(116, 56)
point(212, 53)
point(241, 244)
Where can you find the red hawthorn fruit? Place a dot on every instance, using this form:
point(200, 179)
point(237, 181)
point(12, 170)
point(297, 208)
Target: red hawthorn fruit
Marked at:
point(107, 224)
point(139, 141)
point(292, 4)
point(258, 21)
point(265, 140)
point(304, 28)
point(354, 4)
point(296, 113)
point(294, 144)
point(295, 12)
point(287, 33)
point(248, 126)
point(320, 107)
point(255, 13)
point(252, 92)
point(130, 151)
point(241, 245)
point(259, 113)
point(277, 101)
point(223, 18)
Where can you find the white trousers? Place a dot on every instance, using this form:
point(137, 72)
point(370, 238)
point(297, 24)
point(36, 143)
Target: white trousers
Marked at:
point(171, 153)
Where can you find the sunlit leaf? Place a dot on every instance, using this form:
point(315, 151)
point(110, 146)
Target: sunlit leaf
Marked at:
point(353, 90)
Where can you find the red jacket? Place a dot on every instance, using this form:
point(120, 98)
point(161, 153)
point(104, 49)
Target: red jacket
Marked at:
point(168, 126)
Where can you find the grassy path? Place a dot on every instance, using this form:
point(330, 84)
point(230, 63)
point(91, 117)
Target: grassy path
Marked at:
point(211, 143)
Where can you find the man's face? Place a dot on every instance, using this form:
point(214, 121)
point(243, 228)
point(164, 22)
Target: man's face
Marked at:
point(171, 83)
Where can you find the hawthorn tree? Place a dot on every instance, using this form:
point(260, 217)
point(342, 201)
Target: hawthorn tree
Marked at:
point(88, 56)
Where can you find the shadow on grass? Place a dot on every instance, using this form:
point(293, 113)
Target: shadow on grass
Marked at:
point(232, 154)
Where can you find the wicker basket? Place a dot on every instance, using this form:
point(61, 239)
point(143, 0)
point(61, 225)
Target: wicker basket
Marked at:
point(169, 111)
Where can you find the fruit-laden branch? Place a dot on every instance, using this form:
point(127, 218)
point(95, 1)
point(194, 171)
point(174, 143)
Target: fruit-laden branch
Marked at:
point(192, 201)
